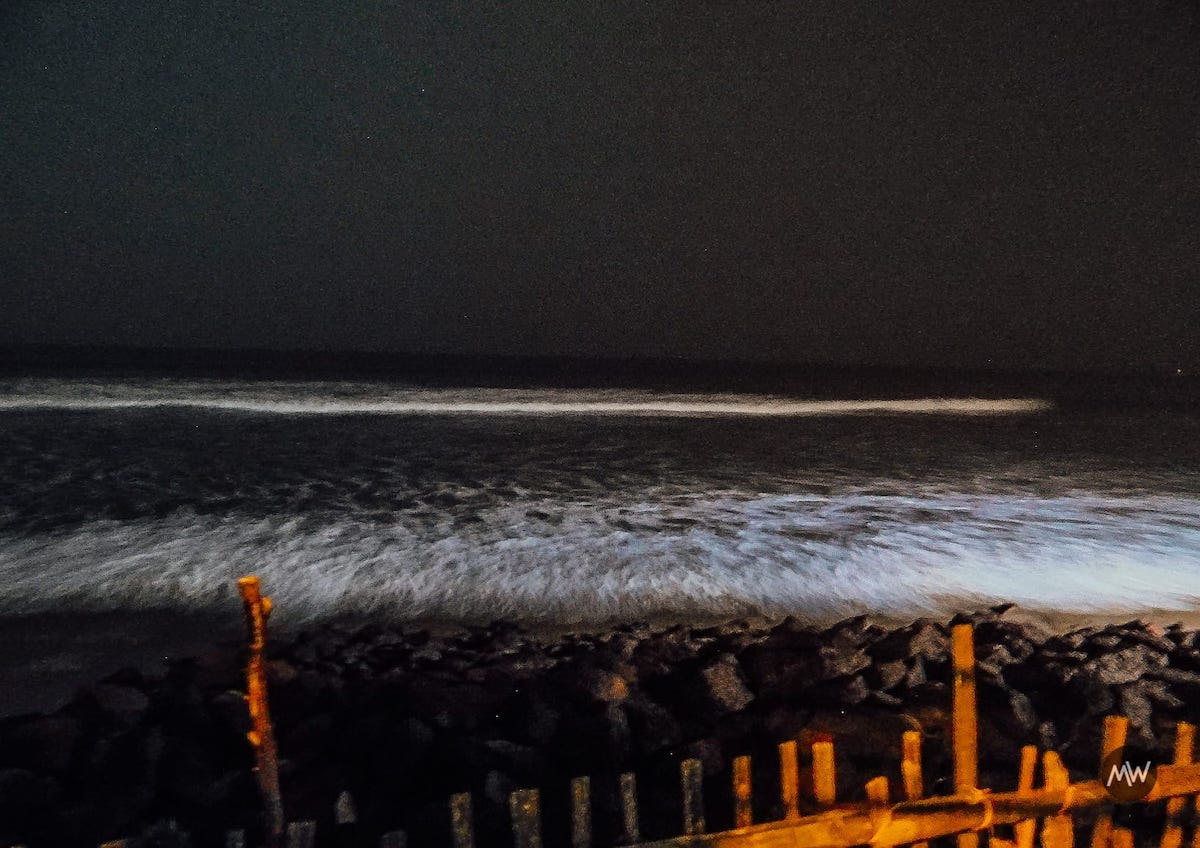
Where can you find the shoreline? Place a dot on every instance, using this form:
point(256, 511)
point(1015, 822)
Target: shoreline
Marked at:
point(403, 718)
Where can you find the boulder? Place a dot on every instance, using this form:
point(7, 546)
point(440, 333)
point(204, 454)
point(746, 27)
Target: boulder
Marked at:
point(721, 687)
point(1124, 666)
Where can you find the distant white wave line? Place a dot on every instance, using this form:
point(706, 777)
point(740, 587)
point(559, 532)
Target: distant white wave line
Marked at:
point(664, 406)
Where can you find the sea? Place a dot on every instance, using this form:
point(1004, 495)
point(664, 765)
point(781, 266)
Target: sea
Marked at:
point(130, 506)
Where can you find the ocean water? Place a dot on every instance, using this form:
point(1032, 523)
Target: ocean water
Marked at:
point(568, 508)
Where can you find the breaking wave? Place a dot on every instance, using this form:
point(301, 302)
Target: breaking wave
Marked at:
point(379, 399)
point(728, 554)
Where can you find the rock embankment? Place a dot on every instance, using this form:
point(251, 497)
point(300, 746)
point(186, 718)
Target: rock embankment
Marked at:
point(401, 720)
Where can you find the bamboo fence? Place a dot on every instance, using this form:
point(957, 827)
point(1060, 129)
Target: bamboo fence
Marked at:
point(1025, 814)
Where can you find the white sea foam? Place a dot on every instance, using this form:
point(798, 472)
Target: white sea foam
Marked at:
point(314, 398)
point(788, 554)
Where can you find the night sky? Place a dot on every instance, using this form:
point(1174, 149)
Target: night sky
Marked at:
point(954, 183)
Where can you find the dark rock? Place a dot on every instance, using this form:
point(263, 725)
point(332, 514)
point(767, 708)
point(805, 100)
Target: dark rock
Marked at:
point(842, 661)
point(119, 704)
point(1097, 697)
point(602, 685)
point(1021, 709)
point(652, 726)
point(883, 676)
point(721, 688)
point(1047, 736)
point(232, 712)
point(43, 743)
point(1124, 666)
point(1157, 692)
point(1136, 706)
point(708, 752)
point(164, 834)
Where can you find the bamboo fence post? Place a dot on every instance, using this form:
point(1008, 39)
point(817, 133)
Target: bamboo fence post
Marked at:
point(1185, 736)
point(1122, 837)
point(1115, 730)
point(789, 780)
point(302, 834)
point(824, 774)
point(910, 770)
point(525, 809)
point(743, 815)
point(1026, 829)
point(630, 829)
point(1057, 830)
point(965, 722)
point(394, 839)
point(581, 813)
point(235, 839)
point(462, 829)
point(878, 797)
point(262, 736)
point(690, 776)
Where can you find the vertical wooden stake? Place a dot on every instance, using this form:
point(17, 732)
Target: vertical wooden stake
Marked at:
point(629, 809)
point(1026, 830)
point(262, 736)
point(789, 780)
point(965, 725)
point(1115, 730)
point(525, 809)
point(462, 828)
point(690, 778)
point(302, 834)
point(581, 813)
point(1057, 831)
point(743, 815)
point(1122, 837)
point(394, 839)
point(1185, 736)
point(910, 770)
point(824, 774)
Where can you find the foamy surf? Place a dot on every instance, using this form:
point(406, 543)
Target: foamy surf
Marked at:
point(815, 557)
point(378, 399)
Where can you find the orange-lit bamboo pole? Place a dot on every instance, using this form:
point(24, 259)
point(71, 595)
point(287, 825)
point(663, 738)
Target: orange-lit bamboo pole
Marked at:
point(1058, 830)
point(789, 780)
point(462, 825)
point(1115, 730)
point(965, 728)
point(1025, 830)
point(630, 826)
point(824, 774)
point(690, 782)
point(1122, 837)
point(1185, 735)
point(910, 770)
point(743, 815)
point(581, 812)
point(261, 736)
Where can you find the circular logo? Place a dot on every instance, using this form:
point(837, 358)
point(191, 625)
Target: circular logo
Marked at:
point(1128, 774)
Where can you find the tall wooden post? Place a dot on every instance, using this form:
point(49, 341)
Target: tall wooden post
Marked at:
point(261, 736)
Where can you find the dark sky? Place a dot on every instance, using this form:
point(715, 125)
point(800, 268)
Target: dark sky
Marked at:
point(949, 183)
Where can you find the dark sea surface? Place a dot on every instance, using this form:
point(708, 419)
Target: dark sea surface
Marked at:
point(129, 508)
